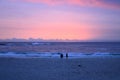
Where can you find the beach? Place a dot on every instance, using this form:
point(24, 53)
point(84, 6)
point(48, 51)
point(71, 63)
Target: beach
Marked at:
point(97, 68)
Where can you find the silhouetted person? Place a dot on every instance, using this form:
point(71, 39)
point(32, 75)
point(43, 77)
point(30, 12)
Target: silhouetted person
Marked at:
point(61, 55)
point(66, 55)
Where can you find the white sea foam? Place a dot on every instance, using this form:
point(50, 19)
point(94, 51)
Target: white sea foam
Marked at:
point(39, 43)
point(49, 54)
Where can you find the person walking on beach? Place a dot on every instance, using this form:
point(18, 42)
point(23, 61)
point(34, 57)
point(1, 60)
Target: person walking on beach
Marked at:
point(66, 55)
point(61, 55)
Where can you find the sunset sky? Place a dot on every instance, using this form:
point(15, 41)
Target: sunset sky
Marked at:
point(60, 19)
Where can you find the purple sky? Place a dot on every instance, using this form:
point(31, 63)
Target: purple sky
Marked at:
point(60, 19)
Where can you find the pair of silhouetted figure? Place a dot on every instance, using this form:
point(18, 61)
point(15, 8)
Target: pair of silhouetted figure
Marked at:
point(61, 55)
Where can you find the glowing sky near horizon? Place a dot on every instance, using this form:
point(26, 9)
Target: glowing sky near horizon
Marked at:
point(60, 19)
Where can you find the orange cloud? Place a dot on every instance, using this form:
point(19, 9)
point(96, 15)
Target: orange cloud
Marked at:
point(98, 3)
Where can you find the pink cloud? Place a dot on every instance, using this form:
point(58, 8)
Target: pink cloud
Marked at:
point(98, 3)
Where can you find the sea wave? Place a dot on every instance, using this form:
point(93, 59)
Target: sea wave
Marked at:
point(57, 54)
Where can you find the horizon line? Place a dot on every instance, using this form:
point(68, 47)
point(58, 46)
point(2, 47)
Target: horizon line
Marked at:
point(52, 40)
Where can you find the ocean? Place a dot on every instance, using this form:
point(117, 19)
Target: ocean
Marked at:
point(48, 61)
point(50, 49)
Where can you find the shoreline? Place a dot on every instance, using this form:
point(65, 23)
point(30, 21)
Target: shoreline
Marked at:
point(56, 55)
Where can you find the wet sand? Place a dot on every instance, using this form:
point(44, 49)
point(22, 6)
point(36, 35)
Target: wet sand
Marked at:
point(60, 69)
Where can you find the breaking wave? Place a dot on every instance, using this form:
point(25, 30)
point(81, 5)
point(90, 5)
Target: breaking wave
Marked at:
point(57, 55)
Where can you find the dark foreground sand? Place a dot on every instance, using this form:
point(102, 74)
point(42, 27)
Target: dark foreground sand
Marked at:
point(60, 69)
